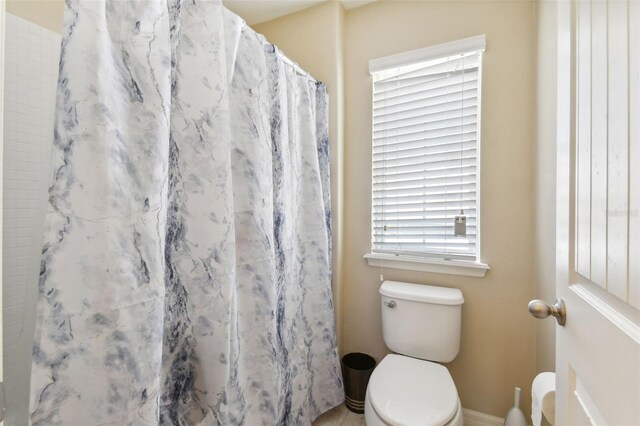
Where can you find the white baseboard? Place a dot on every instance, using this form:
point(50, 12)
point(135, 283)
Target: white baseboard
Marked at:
point(476, 418)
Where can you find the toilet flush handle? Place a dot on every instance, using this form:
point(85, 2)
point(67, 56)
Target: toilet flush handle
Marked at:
point(390, 304)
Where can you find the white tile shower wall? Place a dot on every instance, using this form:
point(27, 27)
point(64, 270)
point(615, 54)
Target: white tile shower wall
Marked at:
point(31, 70)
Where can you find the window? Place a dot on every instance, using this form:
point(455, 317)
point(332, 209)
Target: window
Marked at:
point(426, 133)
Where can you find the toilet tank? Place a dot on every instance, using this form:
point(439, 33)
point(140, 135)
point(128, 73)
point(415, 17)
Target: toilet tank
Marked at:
point(421, 321)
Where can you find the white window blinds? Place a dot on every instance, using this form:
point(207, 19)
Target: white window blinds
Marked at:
point(425, 151)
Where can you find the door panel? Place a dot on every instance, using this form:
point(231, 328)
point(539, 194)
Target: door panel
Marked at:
point(598, 113)
point(604, 246)
point(618, 149)
point(583, 178)
point(602, 353)
point(583, 410)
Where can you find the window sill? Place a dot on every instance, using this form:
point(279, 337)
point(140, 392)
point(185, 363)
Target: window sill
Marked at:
point(440, 266)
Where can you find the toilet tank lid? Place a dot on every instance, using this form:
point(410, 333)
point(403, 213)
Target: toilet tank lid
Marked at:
point(422, 293)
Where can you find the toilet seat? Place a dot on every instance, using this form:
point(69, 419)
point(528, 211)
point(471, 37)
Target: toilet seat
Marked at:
point(407, 391)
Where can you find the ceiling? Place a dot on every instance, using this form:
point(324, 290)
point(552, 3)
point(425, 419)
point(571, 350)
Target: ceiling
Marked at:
point(257, 11)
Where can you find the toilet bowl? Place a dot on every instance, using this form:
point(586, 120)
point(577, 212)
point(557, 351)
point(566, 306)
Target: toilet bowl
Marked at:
point(405, 391)
point(421, 324)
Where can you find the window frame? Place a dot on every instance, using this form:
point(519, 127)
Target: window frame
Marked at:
point(435, 262)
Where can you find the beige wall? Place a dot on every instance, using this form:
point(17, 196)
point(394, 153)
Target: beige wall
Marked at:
point(314, 39)
point(498, 335)
point(545, 171)
point(46, 13)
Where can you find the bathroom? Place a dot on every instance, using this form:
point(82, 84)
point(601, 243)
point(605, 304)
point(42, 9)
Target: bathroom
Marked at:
point(537, 241)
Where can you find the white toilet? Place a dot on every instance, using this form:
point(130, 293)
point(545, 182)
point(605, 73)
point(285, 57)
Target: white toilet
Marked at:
point(421, 324)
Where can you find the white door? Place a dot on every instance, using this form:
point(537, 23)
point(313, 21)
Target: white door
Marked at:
point(598, 218)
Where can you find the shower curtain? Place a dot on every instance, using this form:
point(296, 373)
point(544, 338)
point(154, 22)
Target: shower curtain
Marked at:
point(186, 268)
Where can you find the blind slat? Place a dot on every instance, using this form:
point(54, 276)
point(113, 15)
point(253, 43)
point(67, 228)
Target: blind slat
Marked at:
point(436, 170)
point(436, 233)
point(436, 132)
point(435, 244)
point(389, 201)
point(435, 213)
point(417, 231)
point(432, 69)
point(441, 220)
point(408, 220)
point(380, 173)
point(451, 124)
point(421, 83)
point(426, 159)
point(446, 111)
point(412, 152)
point(391, 217)
point(417, 182)
point(410, 105)
point(440, 121)
point(406, 217)
point(437, 239)
point(383, 118)
point(383, 146)
point(397, 217)
point(389, 85)
point(432, 184)
point(400, 96)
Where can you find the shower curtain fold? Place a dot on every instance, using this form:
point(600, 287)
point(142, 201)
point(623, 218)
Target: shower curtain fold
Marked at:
point(186, 267)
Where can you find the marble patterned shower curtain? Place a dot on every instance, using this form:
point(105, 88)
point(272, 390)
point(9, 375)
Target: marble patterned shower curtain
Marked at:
point(186, 270)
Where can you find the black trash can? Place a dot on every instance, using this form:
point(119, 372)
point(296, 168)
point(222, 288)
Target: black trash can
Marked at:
point(356, 370)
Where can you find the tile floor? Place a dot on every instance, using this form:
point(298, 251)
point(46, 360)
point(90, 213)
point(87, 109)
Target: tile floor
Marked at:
point(340, 416)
